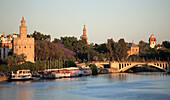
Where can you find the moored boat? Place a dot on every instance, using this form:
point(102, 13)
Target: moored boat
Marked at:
point(21, 75)
point(84, 71)
point(70, 72)
point(52, 74)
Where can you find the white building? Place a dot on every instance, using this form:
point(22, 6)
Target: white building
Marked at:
point(6, 45)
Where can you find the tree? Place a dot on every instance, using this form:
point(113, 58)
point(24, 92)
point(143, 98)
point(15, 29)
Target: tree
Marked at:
point(121, 50)
point(111, 48)
point(94, 69)
point(69, 42)
point(28, 65)
point(134, 58)
point(166, 44)
point(56, 40)
point(143, 47)
point(69, 64)
point(40, 37)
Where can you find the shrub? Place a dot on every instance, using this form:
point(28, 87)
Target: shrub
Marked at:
point(94, 69)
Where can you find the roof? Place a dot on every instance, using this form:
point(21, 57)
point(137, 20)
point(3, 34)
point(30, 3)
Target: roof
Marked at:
point(132, 45)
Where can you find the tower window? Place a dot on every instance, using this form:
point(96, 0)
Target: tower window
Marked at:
point(25, 46)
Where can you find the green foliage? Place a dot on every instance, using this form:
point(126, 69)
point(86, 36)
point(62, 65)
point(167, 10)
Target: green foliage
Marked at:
point(40, 64)
point(152, 54)
point(69, 64)
point(4, 68)
point(69, 42)
point(134, 58)
point(14, 60)
point(28, 65)
point(166, 44)
point(112, 50)
point(164, 55)
point(56, 40)
point(46, 50)
point(94, 69)
point(143, 47)
point(40, 37)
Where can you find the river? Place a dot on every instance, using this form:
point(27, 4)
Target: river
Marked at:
point(115, 86)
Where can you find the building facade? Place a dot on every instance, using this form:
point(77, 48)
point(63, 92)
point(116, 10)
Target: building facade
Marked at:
point(133, 49)
point(6, 45)
point(152, 41)
point(84, 34)
point(23, 44)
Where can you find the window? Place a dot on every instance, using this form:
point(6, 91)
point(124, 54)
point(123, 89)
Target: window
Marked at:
point(25, 47)
point(136, 50)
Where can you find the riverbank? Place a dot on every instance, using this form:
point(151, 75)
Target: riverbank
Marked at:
point(3, 78)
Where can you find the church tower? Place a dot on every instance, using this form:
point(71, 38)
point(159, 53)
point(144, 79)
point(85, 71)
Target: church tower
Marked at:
point(23, 29)
point(84, 34)
point(152, 41)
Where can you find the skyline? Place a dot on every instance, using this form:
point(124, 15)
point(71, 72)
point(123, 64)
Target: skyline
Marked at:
point(131, 20)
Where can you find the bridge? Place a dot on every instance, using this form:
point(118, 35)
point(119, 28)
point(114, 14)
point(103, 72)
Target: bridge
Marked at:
point(123, 66)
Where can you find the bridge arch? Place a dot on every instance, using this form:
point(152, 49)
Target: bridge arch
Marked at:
point(160, 65)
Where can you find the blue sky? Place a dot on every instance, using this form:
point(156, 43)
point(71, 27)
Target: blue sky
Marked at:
point(129, 19)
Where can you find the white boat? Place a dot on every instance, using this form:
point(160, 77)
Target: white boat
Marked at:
point(70, 72)
point(84, 71)
point(21, 75)
point(52, 74)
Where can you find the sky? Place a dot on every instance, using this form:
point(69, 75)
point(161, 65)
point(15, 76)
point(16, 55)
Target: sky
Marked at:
point(104, 19)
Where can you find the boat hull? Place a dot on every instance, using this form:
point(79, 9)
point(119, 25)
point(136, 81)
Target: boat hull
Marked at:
point(19, 79)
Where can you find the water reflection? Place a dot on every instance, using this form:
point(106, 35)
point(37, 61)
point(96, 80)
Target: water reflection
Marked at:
point(21, 82)
point(24, 94)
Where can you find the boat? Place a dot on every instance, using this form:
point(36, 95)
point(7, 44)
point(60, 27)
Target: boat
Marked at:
point(84, 71)
point(70, 72)
point(36, 77)
point(21, 75)
point(52, 74)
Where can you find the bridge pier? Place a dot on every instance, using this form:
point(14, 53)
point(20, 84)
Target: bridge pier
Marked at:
point(115, 67)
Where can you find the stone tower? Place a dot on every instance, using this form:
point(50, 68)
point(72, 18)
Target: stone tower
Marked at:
point(23, 29)
point(152, 41)
point(84, 34)
point(24, 45)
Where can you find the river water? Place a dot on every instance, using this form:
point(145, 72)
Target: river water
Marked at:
point(115, 86)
